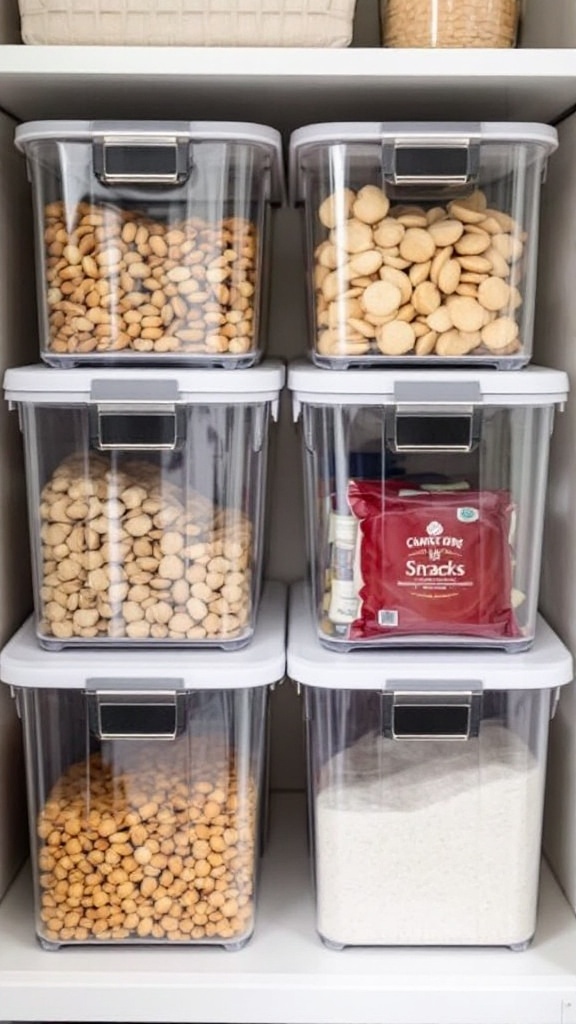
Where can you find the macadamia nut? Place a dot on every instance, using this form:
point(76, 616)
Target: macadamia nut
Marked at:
point(156, 562)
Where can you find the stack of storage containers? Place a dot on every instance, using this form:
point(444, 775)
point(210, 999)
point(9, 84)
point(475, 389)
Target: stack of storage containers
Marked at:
point(426, 477)
point(146, 472)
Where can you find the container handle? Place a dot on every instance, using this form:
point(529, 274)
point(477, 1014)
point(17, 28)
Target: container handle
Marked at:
point(141, 160)
point(442, 417)
point(136, 416)
point(411, 715)
point(429, 165)
point(135, 714)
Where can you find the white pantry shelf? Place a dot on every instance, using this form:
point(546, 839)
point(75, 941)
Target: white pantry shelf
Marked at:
point(286, 87)
point(285, 975)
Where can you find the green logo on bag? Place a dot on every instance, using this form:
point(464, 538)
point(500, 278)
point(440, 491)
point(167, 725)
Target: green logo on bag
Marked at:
point(467, 515)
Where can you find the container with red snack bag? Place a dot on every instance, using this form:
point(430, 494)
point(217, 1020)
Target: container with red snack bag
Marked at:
point(425, 494)
point(433, 565)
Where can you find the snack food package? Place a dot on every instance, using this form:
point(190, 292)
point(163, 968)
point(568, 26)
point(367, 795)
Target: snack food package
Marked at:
point(432, 561)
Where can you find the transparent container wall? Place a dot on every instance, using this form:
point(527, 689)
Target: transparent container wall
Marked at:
point(421, 273)
point(425, 547)
point(140, 840)
point(428, 842)
point(153, 547)
point(449, 23)
point(140, 272)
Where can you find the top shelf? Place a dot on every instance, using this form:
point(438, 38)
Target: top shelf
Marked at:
point(285, 87)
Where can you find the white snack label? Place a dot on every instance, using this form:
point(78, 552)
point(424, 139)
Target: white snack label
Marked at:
point(344, 603)
point(342, 530)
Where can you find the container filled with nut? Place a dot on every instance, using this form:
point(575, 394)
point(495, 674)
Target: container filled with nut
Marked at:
point(449, 23)
point(426, 788)
point(146, 786)
point(425, 493)
point(421, 240)
point(152, 239)
point(146, 499)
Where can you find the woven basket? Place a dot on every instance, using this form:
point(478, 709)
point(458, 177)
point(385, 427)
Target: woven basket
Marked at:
point(188, 22)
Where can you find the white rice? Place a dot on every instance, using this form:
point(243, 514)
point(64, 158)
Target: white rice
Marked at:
point(430, 842)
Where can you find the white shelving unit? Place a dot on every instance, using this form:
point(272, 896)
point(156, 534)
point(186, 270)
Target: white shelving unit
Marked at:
point(285, 975)
point(286, 87)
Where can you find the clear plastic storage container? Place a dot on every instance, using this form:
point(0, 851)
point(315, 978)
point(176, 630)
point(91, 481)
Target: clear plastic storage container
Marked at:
point(421, 240)
point(449, 23)
point(426, 788)
point(188, 22)
point(425, 498)
point(146, 786)
point(152, 239)
point(146, 501)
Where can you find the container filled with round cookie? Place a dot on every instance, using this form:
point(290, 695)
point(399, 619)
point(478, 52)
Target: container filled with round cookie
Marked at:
point(152, 239)
point(146, 502)
point(421, 240)
point(146, 781)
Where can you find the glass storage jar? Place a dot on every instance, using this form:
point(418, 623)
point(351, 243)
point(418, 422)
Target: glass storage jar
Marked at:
point(449, 23)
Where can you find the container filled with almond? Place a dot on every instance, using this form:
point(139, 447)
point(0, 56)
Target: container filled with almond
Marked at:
point(421, 240)
point(152, 240)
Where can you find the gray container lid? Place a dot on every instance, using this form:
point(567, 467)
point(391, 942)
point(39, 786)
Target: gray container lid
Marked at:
point(370, 133)
point(42, 384)
point(534, 386)
point(260, 136)
point(24, 664)
point(547, 665)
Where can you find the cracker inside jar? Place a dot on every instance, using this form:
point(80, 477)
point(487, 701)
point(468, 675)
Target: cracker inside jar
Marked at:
point(120, 281)
point(149, 847)
point(396, 281)
point(127, 555)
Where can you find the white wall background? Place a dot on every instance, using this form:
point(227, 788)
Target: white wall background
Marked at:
point(556, 346)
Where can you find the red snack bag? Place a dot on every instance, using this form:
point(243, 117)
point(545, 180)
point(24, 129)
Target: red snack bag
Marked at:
point(433, 563)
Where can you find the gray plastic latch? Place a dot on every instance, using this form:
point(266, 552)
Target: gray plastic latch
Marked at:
point(141, 160)
point(451, 715)
point(136, 416)
point(434, 417)
point(432, 165)
point(146, 711)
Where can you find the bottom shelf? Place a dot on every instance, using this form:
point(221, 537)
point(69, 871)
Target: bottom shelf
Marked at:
point(285, 975)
